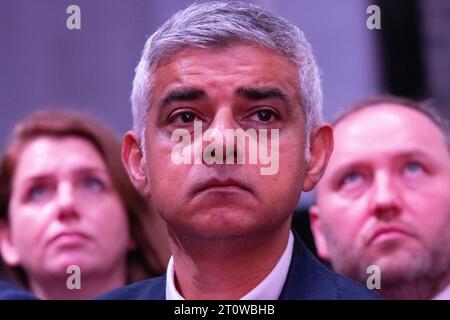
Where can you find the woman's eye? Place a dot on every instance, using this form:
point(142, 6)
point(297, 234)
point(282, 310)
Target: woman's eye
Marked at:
point(94, 184)
point(38, 192)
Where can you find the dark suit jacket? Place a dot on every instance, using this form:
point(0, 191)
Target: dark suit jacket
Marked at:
point(307, 279)
point(8, 292)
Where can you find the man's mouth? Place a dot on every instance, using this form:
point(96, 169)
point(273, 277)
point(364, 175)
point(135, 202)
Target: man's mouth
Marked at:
point(221, 185)
point(387, 233)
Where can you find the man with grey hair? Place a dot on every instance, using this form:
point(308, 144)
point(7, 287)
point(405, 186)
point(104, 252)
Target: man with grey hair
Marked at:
point(230, 68)
point(383, 205)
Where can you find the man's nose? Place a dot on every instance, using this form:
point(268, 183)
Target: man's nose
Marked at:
point(385, 197)
point(221, 134)
point(222, 121)
point(66, 201)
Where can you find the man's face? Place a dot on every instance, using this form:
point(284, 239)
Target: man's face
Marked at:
point(384, 198)
point(239, 87)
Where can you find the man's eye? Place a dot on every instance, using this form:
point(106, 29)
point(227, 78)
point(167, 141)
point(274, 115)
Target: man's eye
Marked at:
point(264, 115)
point(352, 184)
point(412, 169)
point(185, 117)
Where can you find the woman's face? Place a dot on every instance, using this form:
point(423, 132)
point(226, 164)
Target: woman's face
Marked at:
point(64, 210)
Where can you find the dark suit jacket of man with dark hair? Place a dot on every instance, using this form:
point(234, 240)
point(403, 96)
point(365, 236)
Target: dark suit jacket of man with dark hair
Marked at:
point(307, 279)
point(9, 292)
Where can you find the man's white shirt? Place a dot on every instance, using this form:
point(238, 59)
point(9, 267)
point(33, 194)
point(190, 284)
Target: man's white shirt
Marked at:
point(268, 289)
point(444, 294)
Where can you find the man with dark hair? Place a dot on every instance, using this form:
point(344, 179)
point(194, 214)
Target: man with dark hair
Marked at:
point(232, 70)
point(383, 204)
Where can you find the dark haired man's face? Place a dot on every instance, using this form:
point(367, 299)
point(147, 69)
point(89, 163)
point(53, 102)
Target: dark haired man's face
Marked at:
point(239, 87)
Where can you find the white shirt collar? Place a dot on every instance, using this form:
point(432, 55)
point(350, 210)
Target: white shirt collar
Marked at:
point(268, 289)
point(444, 294)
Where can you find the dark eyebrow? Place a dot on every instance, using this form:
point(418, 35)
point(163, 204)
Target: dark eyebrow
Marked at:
point(261, 93)
point(182, 94)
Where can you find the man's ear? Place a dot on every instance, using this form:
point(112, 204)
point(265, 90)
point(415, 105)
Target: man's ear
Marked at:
point(7, 248)
point(134, 162)
point(316, 228)
point(321, 146)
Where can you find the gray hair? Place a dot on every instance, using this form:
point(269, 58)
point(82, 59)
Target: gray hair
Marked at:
point(219, 24)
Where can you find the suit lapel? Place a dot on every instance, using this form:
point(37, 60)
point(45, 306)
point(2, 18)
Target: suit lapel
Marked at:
point(307, 277)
